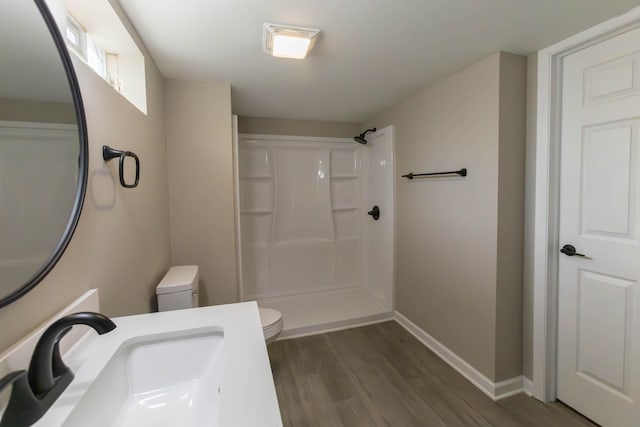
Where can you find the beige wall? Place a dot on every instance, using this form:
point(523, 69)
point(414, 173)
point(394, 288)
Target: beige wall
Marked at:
point(447, 272)
point(34, 111)
point(511, 158)
point(121, 245)
point(530, 185)
point(266, 126)
point(198, 130)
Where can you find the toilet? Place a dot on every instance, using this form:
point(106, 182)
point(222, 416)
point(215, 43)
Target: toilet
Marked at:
point(271, 323)
point(178, 290)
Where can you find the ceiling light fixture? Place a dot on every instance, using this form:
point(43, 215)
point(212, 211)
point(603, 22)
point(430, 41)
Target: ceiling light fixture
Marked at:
point(283, 41)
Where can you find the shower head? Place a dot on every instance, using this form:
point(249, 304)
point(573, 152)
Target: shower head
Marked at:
point(360, 139)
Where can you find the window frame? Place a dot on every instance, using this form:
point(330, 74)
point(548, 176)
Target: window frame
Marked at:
point(79, 48)
point(82, 47)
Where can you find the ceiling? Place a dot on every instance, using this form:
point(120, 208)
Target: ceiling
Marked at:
point(371, 53)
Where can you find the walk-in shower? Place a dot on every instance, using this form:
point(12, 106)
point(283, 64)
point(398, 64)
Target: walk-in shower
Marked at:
point(308, 246)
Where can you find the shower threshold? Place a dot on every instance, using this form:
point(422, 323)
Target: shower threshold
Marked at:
point(319, 312)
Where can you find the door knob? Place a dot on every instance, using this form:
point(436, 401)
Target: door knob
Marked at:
point(570, 250)
point(375, 213)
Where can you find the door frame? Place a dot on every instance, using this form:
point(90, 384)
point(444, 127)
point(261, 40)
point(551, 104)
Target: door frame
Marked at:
point(542, 251)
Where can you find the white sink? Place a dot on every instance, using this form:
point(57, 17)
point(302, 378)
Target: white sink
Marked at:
point(204, 366)
point(157, 380)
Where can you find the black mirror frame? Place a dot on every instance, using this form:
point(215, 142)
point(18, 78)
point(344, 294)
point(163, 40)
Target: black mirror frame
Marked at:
point(83, 161)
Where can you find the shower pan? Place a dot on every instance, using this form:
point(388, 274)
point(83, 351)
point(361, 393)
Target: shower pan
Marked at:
point(310, 246)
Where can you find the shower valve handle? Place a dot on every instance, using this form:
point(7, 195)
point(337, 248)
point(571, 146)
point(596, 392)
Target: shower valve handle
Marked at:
point(375, 213)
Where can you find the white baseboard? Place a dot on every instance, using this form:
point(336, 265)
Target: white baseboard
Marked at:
point(508, 388)
point(528, 387)
point(495, 391)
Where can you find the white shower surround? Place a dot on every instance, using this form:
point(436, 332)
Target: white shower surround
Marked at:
point(306, 239)
point(38, 167)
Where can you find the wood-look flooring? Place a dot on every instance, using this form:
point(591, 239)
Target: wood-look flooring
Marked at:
point(380, 375)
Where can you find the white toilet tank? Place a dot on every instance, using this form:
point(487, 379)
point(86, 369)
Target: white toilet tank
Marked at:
point(178, 288)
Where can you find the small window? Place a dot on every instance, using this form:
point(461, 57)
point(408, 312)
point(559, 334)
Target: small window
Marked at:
point(104, 64)
point(75, 36)
point(96, 58)
point(97, 35)
point(113, 71)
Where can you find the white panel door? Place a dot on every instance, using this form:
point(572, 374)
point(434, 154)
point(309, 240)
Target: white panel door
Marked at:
point(599, 298)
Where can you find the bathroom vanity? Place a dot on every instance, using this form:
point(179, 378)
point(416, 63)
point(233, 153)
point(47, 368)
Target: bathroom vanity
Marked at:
point(198, 367)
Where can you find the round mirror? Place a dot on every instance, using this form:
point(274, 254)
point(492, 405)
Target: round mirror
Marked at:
point(43, 147)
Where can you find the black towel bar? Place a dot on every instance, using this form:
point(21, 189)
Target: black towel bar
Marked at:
point(411, 175)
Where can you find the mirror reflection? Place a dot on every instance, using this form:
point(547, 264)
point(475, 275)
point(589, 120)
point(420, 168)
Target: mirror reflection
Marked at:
point(39, 146)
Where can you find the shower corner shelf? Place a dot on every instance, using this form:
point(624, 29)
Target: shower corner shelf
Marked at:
point(255, 245)
point(345, 208)
point(347, 238)
point(256, 212)
point(257, 177)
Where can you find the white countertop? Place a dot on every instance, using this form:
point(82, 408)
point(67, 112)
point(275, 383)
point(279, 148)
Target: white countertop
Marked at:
point(249, 396)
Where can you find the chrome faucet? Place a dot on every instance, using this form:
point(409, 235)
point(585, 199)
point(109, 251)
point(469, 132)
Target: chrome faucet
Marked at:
point(35, 391)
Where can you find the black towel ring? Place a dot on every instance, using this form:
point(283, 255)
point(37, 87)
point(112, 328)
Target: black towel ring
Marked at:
point(109, 153)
